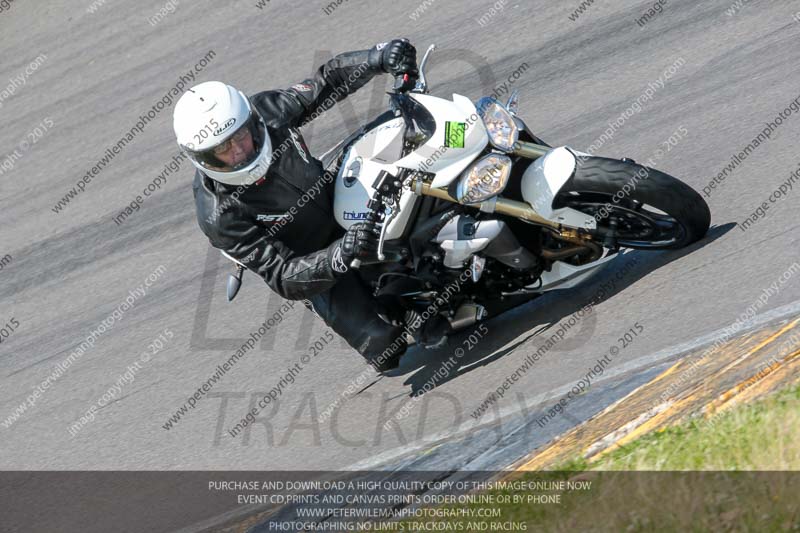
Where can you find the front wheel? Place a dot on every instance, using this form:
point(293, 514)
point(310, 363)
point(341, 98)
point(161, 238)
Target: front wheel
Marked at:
point(636, 206)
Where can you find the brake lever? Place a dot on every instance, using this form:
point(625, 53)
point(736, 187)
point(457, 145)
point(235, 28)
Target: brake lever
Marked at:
point(374, 205)
point(390, 214)
point(356, 262)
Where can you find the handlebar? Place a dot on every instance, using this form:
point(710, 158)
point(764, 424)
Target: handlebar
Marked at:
point(403, 83)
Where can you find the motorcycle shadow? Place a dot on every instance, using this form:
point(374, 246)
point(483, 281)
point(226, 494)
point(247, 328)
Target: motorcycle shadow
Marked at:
point(471, 348)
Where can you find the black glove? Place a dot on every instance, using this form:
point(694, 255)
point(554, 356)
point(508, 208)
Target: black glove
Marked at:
point(395, 57)
point(360, 241)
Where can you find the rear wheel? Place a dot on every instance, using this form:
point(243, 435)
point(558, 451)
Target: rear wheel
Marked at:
point(636, 206)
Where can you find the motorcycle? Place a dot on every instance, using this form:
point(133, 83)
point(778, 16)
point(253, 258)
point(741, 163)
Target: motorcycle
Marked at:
point(467, 196)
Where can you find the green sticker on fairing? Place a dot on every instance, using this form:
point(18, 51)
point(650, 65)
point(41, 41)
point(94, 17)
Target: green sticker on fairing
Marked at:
point(454, 133)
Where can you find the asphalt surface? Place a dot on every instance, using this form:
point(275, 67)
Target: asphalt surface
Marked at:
point(70, 270)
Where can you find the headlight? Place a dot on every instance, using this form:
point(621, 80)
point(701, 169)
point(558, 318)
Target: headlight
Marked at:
point(503, 131)
point(484, 179)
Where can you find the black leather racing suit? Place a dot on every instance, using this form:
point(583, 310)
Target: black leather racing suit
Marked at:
point(282, 227)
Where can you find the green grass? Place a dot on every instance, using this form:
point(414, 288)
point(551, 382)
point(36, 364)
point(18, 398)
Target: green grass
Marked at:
point(697, 476)
point(764, 435)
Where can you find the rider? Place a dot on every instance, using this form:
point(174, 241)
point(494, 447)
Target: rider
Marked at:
point(255, 172)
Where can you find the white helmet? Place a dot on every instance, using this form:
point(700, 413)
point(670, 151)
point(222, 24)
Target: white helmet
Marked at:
point(209, 114)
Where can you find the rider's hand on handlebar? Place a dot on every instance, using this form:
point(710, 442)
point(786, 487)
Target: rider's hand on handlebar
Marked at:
point(396, 57)
point(360, 242)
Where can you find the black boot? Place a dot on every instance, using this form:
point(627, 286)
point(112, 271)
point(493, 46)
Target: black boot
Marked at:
point(351, 311)
point(384, 348)
point(431, 334)
point(389, 359)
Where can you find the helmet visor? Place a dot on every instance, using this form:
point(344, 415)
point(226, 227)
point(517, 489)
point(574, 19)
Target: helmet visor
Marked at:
point(237, 151)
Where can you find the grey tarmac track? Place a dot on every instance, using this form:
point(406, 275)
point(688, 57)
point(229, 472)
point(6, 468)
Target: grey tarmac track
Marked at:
point(72, 269)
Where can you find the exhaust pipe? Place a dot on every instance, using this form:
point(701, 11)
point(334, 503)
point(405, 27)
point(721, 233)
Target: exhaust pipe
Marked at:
point(467, 315)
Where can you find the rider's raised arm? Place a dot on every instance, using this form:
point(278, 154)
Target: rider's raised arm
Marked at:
point(333, 81)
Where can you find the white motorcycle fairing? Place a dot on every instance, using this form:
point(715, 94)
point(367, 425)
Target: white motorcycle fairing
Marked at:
point(439, 155)
point(373, 153)
point(380, 149)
